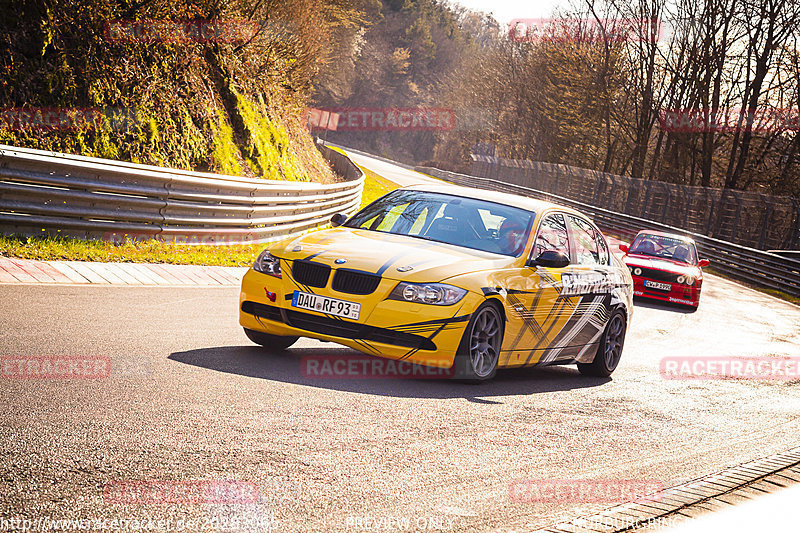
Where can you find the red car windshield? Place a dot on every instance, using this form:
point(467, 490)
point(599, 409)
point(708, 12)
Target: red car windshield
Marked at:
point(665, 248)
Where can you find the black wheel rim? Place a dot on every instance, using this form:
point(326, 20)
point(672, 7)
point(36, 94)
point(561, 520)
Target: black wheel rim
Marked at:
point(615, 336)
point(484, 342)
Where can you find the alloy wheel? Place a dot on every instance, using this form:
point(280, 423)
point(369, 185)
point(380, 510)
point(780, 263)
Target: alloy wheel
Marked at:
point(485, 339)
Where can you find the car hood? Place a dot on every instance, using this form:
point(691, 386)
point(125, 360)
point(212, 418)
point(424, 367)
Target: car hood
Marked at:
point(384, 254)
point(661, 264)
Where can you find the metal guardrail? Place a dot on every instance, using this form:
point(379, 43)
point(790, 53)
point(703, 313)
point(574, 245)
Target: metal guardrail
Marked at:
point(87, 197)
point(792, 254)
point(762, 269)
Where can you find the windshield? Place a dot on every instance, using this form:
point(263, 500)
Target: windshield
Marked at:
point(466, 222)
point(665, 248)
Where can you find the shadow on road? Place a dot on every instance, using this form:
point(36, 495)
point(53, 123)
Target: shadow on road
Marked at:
point(256, 362)
point(664, 306)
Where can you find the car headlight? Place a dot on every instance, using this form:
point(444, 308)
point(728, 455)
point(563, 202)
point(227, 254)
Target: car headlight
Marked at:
point(689, 280)
point(681, 279)
point(268, 264)
point(427, 293)
point(637, 271)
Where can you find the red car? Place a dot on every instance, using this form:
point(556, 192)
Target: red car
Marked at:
point(665, 267)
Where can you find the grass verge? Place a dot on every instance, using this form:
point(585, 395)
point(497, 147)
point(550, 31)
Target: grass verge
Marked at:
point(375, 186)
point(48, 248)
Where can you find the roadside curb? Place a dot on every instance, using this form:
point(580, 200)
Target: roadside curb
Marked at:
point(26, 271)
point(760, 476)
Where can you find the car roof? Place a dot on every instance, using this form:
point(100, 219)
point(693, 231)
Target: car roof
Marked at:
point(522, 202)
point(665, 234)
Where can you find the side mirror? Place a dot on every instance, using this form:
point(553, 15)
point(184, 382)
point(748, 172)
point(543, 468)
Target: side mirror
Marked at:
point(338, 219)
point(703, 263)
point(624, 248)
point(550, 259)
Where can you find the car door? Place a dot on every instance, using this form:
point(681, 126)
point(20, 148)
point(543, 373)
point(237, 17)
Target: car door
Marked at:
point(590, 280)
point(537, 313)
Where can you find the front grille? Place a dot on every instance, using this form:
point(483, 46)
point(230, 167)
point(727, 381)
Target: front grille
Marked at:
point(658, 275)
point(353, 330)
point(310, 273)
point(263, 311)
point(354, 282)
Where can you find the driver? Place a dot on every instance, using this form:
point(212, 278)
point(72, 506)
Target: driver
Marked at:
point(645, 246)
point(512, 237)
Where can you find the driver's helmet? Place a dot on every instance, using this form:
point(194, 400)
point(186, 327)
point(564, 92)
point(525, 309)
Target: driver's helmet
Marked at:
point(682, 254)
point(646, 246)
point(512, 237)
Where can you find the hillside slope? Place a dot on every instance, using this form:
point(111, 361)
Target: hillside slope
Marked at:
point(182, 84)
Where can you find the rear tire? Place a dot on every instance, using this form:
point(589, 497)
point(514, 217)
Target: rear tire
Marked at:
point(274, 343)
point(610, 350)
point(479, 350)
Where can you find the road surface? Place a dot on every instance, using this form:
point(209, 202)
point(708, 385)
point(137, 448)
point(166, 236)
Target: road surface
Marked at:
point(190, 398)
point(401, 176)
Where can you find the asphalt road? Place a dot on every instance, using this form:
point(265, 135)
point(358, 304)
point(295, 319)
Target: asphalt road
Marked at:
point(190, 398)
point(403, 177)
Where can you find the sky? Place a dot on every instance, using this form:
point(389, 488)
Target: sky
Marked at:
point(505, 11)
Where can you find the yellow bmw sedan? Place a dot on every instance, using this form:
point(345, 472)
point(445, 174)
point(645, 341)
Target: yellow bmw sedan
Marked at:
point(448, 277)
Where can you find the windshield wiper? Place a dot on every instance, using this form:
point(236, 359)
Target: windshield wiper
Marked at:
point(425, 237)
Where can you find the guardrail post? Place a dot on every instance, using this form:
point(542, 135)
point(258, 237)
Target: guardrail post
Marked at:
point(629, 199)
point(647, 186)
point(710, 211)
point(765, 221)
point(689, 197)
point(596, 189)
point(795, 242)
point(610, 203)
point(735, 229)
point(666, 206)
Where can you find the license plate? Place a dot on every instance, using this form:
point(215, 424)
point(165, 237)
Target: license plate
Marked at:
point(323, 304)
point(656, 285)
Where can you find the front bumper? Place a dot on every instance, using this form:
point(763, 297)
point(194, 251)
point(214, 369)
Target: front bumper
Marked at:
point(418, 333)
point(679, 293)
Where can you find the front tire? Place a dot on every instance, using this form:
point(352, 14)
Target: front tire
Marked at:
point(610, 350)
point(479, 351)
point(275, 343)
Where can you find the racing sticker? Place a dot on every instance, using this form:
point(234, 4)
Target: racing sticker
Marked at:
point(594, 282)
